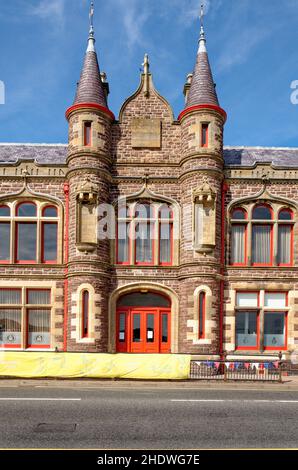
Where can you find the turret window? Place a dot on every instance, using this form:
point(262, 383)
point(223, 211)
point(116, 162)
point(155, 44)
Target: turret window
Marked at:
point(204, 135)
point(263, 239)
point(87, 134)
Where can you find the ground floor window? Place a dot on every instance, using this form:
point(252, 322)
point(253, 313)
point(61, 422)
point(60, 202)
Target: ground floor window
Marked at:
point(25, 318)
point(261, 311)
point(143, 323)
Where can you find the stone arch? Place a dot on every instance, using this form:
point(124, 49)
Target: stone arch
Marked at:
point(209, 311)
point(137, 286)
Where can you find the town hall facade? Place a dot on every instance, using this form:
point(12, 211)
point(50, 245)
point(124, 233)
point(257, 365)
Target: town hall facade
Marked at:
point(145, 234)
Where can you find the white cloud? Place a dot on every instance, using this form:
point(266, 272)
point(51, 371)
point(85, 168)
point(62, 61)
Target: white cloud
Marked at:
point(134, 18)
point(48, 10)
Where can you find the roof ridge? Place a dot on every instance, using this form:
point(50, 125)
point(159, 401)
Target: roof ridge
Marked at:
point(19, 144)
point(257, 147)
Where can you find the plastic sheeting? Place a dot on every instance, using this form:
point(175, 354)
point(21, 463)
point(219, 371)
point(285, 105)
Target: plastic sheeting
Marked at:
point(72, 365)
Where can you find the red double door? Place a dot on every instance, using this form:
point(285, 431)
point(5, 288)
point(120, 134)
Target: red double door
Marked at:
point(143, 330)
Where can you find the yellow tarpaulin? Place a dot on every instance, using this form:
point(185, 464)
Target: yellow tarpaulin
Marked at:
point(68, 365)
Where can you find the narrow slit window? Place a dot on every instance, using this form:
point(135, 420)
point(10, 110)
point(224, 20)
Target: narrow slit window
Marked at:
point(85, 313)
point(202, 309)
point(204, 135)
point(87, 134)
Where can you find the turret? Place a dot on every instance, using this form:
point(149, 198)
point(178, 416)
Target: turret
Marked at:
point(89, 162)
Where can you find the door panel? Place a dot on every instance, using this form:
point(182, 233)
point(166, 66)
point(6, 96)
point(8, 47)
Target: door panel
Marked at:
point(137, 332)
point(143, 330)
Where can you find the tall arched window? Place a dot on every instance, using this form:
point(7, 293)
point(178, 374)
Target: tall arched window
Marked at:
point(239, 237)
point(285, 237)
point(85, 314)
point(262, 235)
point(28, 232)
point(202, 314)
point(145, 234)
point(262, 231)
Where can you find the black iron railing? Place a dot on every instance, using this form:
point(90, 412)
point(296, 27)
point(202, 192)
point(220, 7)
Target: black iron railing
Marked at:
point(237, 370)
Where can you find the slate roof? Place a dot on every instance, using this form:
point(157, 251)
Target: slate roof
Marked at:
point(56, 154)
point(90, 87)
point(249, 156)
point(202, 88)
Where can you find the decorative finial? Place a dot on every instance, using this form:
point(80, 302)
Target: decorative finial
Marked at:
point(146, 68)
point(146, 64)
point(91, 39)
point(202, 40)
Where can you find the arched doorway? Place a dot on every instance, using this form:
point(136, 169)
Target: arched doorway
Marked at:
point(143, 323)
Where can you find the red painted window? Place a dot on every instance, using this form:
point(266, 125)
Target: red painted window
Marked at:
point(87, 134)
point(202, 314)
point(204, 135)
point(144, 230)
point(85, 314)
point(285, 243)
point(239, 237)
point(262, 236)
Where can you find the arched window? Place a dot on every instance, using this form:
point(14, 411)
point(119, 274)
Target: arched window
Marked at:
point(85, 314)
point(285, 237)
point(28, 232)
point(239, 237)
point(5, 228)
point(262, 231)
point(270, 231)
point(145, 234)
point(202, 314)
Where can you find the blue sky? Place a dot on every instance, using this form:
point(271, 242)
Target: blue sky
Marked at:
point(252, 46)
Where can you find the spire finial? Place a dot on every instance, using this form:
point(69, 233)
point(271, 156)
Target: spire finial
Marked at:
point(146, 64)
point(202, 40)
point(91, 39)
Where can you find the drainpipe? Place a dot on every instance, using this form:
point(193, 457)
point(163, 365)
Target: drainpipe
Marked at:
point(66, 248)
point(222, 269)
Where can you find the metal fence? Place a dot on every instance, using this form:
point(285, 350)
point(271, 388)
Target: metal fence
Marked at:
point(236, 370)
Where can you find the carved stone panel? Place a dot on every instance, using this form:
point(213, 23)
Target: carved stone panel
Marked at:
point(146, 133)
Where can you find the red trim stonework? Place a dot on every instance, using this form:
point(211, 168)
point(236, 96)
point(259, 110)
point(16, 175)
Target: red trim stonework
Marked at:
point(80, 106)
point(202, 106)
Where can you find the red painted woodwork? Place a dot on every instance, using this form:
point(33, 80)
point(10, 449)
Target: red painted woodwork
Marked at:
point(145, 340)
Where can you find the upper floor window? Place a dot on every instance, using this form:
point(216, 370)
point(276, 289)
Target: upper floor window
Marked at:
point(204, 135)
point(87, 134)
point(264, 238)
point(145, 234)
point(28, 232)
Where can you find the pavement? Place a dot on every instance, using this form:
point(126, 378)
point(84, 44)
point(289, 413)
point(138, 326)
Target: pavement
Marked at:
point(89, 414)
point(288, 383)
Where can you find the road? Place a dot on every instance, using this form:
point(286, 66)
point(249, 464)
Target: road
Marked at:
point(146, 418)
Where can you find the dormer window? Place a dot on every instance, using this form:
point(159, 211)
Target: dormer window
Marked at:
point(87, 134)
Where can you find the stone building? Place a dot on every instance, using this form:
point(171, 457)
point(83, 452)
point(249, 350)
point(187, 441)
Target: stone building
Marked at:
point(145, 234)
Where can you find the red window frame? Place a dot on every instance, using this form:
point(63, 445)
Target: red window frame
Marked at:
point(257, 312)
point(162, 263)
point(85, 313)
point(202, 315)
point(245, 244)
point(26, 216)
point(42, 242)
point(36, 346)
point(240, 209)
point(13, 346)
point(16, 243)
point(271, 243)
point(291, 244)
point(129, 241)
point(36, 289)
point(87, 134)
point(289, 211)
point(205, 135)
point(7, 261)
point(6, 206)
point(50, 206)
point(151, 224)
point(278, 348)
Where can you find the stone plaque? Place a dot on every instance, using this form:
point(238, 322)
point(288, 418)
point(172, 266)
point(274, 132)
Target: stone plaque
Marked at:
point(146, 133)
